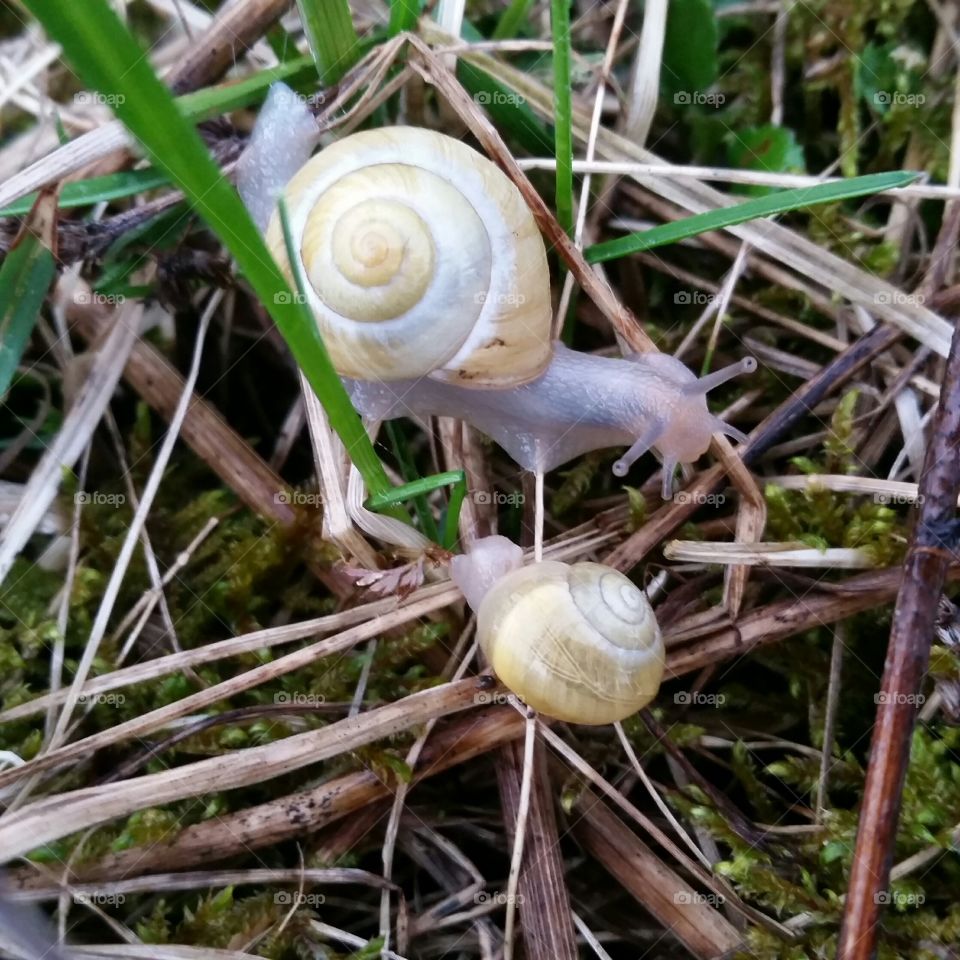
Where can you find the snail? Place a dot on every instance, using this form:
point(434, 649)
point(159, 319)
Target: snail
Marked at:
point(577, 642)
point(429, 281)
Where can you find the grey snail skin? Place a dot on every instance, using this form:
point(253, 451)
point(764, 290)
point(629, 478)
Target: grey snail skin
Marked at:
point(428, 278)
point(577, 642)
point(580, 403)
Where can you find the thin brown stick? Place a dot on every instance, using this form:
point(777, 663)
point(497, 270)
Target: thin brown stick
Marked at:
point(932, 547)
point(789, 617)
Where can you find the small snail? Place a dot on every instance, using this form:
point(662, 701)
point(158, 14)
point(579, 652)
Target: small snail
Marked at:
point(577, 642)
point(429, 280)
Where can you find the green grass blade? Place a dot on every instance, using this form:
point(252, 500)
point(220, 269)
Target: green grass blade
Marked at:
point(781, 202)
point(25, 278)
point(562, 111)
point(455, 479)
point(108, 59)
point(409, 473)
point(415, 488)
point(451, 525)
point(404, 15)
point(332, 37)
point(113, 186)
point(508, 26)
point(213, 101)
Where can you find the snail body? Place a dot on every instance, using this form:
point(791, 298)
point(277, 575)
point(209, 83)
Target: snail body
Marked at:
point(580, 403)
point(429, 281)
point(577, 642)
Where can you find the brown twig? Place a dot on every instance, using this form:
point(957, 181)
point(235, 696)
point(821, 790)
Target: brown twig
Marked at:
point(932, 547)
point(787, 618)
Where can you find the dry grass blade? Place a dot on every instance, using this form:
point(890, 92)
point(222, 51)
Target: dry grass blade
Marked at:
point(234, 646)
point(251, 678)
point(546, 917)
point(99, 628)
point(58, 816)
point(74, 435)
point(769, 555)
point(289, 816)
point(197, 880)
point(779, 243)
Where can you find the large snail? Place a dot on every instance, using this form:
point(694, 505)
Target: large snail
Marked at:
point(577, 642)
point(428, 278)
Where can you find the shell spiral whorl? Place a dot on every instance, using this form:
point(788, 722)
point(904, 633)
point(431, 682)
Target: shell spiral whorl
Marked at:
point(421, 257)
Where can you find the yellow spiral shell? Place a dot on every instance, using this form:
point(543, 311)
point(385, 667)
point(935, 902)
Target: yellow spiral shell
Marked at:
point(421, 258)
point(578, 642)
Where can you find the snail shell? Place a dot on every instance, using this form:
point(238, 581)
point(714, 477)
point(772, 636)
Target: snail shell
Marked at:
point(578, 642)
point(420, 257)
